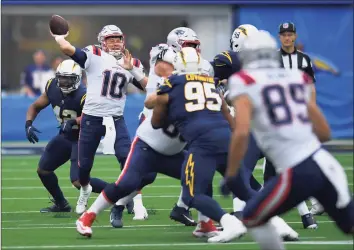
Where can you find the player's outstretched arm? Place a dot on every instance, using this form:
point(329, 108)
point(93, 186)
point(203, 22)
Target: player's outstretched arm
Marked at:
point(36, 107)
point(32, 113)
point(239, 139)
point(64, 45)
point(319, 122)
point(76, 54)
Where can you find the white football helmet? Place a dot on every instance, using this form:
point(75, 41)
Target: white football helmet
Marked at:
point(112, 31)
point(188, 61)
point(260, 51)
point(182, 37)
point(240, 34)
point(69, 76)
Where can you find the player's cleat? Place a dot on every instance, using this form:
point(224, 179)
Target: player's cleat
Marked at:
point(130, 207)
point(284, 230)
point(317, 209)
point(84, 223)
point(233, 228)
point(116, 216)
point(309, 222)
point(182, 215)
point(57, 208)
point(140, 213)
point(205, 229)
point(82, 201)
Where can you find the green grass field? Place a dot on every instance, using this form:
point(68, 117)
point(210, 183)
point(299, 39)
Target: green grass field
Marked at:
point(23, 227)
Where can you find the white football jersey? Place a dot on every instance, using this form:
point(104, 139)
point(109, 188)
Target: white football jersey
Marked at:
point(107, 83)
point(280, 120)
point(164, 141)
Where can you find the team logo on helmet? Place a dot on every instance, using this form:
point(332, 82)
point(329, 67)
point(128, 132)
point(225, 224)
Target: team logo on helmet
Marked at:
point(243, 30)
point(285, 25)
point(179, 32)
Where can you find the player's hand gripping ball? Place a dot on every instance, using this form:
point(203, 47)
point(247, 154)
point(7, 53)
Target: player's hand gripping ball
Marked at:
point(58, 25)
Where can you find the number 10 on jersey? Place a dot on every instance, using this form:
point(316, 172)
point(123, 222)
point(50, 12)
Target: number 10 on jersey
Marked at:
point(113, 84)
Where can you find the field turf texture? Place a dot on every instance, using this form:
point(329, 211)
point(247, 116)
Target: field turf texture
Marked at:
point(23, 227)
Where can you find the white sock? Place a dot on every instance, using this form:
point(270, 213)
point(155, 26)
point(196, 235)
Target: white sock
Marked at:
point(100, 204)
point(180, 203)
point(85, 188)
point(267, 237)
point(238, 204)
point(124, 201)
point(138, 200)
point(302, 208)
point(202, 217)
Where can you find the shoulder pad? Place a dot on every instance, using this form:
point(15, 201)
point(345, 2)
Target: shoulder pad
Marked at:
point(167, 85)
point(93, 49)
point(49, 82)
point(223, 59)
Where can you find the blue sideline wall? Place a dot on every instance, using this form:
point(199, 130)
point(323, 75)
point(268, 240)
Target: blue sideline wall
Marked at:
point(327, 35)
point(14, 110)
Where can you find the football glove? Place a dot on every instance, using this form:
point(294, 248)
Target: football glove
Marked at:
point(224, 189)
point(30, 132)
point(67, 126)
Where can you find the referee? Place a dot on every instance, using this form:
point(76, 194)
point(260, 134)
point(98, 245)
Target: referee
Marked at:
point(291, 57)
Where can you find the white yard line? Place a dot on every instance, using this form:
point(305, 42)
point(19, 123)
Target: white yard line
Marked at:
point(70, 187)
point(107, 210)
point(29, 170)
point(170, 245)
point(72, 225)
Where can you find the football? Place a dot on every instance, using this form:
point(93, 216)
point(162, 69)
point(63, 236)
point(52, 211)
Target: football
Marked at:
point(58, 25)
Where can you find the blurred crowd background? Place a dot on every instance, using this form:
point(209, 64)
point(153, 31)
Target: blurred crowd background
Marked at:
point(30, 55)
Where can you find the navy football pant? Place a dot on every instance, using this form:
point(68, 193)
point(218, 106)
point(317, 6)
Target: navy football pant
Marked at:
point(91, 131)
point(241, 184)
point(285, 191)
point(57, 152)
point(142, 165)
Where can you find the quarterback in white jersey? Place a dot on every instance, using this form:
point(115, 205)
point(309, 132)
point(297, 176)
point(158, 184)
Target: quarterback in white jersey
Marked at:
point(109, 69)
point(288, 127)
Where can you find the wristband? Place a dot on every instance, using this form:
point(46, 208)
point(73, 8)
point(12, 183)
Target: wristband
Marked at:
point(137, 73)
point(29, 123)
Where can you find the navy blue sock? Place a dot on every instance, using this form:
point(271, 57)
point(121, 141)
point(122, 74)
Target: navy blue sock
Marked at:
point(97, 185)
point(50, 182)
point(208, 206)
point(255, 184)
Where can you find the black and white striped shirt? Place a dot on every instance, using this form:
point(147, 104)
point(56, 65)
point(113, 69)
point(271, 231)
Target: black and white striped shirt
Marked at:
point(297, 60)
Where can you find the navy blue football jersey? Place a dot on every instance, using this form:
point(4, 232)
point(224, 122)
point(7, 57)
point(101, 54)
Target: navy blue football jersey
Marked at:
point(66, 107)
point(225, 64)
point(194, 106)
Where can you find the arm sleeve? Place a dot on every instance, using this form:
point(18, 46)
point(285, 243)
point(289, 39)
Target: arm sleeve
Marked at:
point(82, 57)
